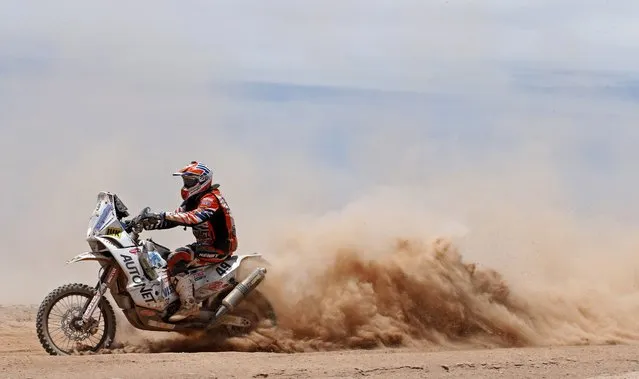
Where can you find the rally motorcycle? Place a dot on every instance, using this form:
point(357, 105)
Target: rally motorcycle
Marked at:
point(135, 273)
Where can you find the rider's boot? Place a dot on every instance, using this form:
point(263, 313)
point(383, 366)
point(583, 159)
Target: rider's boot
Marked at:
point(184, 289)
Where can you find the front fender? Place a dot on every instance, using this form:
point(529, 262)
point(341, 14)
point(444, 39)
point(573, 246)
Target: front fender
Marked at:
point(89, 256)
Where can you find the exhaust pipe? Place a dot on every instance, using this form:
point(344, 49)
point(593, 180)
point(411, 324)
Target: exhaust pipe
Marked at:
point(240, 291)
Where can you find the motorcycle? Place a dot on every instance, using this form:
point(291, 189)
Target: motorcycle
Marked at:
point(134, 271)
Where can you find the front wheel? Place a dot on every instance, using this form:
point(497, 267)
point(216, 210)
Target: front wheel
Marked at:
point(57, 321)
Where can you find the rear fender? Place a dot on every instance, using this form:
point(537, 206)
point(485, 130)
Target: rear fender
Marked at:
point(246, 263)
point(89, 256)
point(241, 258)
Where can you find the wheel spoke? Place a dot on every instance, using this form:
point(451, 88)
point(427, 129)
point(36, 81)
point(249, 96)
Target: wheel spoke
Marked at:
point(64, 324)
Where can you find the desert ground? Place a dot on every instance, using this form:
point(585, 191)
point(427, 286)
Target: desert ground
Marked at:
point(22, 357)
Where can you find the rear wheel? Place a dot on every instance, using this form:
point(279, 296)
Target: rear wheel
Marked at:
point(58, 327)
point(254, 308)
point(258, 310)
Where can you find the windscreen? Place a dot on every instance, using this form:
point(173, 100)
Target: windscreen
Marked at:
point(102, 216)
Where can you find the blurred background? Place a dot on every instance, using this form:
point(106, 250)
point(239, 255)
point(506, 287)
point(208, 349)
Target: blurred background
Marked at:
point(509, 125)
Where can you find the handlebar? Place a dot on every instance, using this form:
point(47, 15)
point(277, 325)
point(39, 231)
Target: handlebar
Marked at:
point(134, 226)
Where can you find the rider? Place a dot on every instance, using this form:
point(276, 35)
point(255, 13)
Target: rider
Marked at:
point(205, 210)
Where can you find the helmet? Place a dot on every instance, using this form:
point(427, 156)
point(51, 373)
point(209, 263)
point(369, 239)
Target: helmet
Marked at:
point(196, 177)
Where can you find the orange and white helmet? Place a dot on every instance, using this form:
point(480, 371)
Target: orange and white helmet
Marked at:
point(196, 177)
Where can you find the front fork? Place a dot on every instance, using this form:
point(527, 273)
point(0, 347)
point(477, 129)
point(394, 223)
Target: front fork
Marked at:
point(105, 281)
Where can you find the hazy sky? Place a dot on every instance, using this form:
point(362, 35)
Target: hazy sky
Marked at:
point(302, 108)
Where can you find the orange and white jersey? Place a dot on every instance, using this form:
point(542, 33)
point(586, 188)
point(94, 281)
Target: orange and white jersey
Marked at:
point(210, 218)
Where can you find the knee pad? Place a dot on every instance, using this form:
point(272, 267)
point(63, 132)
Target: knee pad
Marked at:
point(177, 261)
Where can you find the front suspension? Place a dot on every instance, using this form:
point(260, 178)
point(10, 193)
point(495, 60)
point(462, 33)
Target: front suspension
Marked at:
point(103, 284)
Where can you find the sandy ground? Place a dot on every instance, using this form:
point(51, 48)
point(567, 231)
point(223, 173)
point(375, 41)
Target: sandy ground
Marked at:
point(22, 357)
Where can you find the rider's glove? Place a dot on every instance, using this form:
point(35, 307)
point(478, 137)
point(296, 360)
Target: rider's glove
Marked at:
point(153, 221)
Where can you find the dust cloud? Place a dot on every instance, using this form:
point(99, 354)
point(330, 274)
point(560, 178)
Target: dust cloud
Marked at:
point(421, 295)
point(333, 288)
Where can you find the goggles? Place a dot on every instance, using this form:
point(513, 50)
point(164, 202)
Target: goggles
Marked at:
point(190, 180)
